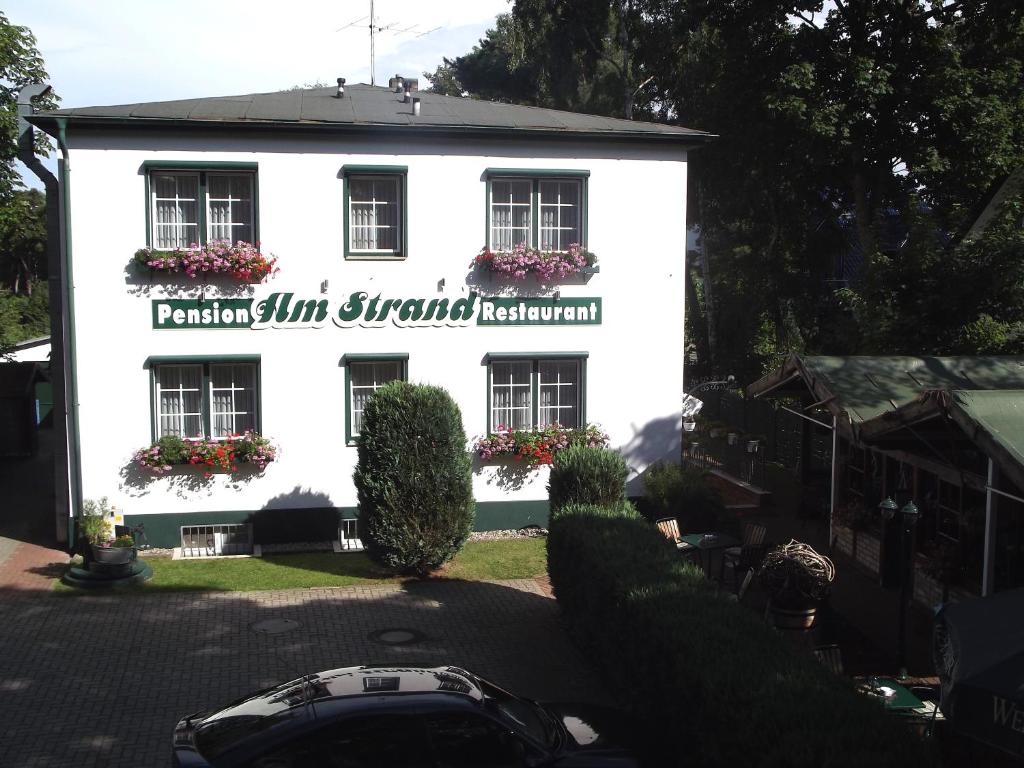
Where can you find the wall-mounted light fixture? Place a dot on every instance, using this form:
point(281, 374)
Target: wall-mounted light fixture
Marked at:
point(440, 285)
point(323, 287)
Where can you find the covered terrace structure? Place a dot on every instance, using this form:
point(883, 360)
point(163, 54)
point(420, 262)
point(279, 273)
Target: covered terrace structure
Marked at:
point(945, 432)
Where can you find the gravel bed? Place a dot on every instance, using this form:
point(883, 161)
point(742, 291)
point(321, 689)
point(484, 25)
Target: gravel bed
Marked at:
point(530, 532)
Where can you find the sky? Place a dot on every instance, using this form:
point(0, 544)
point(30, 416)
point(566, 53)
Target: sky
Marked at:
point(128, 51)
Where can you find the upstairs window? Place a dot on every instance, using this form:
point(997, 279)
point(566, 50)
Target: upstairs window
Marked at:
point(541, 209)
point(375, 211)
point(189, 206)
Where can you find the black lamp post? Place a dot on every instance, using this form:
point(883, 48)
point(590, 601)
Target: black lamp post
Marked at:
point(910, 515)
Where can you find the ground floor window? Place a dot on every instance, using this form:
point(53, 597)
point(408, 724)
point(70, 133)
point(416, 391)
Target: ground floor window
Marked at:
point(194, 399)
point(532, 392)
point(364, 375)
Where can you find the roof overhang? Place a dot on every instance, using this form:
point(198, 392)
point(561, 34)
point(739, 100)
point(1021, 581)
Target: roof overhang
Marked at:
point(793, 379)
point(49, 124)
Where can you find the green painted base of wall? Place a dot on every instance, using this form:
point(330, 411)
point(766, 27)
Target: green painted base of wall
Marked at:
point(319, 524)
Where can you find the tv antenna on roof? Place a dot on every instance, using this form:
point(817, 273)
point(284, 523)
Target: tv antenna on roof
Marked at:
point(374, 28)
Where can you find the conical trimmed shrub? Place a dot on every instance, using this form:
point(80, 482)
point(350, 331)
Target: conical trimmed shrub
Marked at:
point(414, 478)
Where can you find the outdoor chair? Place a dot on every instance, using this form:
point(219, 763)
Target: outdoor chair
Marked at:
point(669, 526)
point(929, 714)
point(748, 555)
point(831, 658)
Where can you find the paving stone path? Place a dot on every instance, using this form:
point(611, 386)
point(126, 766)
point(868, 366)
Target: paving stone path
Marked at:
point(100, 680)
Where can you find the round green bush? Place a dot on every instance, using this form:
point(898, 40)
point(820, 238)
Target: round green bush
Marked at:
point(582, 475)
point(413, 478)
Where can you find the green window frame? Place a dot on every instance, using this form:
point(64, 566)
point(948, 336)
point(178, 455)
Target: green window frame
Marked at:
point(377, 364)
point(201, 378)
point(361, 186)
point(538, 375)
point(544, 187)
point(205, 175)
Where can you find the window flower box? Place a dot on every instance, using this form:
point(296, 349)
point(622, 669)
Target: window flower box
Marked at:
point(537, 448)
point(547, 266)
point(242, 261)
point(209, 455)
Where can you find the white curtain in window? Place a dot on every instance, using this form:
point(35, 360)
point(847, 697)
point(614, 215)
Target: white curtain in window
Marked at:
point(232, 399)
point(179, 400)
point(558, 391)
point(510, 213)
point(364, 379)
point(559, 214)
point(230, 207)
point(510, 395)
point(373, 214)
point(175, 210)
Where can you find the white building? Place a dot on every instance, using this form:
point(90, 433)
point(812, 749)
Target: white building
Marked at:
point(362, 201)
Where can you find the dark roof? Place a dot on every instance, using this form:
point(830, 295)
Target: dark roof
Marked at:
point(993, 420)
point(366, 107)
point(865, 387)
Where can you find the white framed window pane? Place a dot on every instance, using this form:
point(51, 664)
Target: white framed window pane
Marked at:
point(511, 404)
point(232, 398)
point(175, 209)
point(365, 378)
point(179, 400)
point(510, 213)
point(558, 391)
point(559, 214)
point(374, 213)
point(230, 207)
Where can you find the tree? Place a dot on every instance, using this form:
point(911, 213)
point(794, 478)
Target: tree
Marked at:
point(413, 478)
point(20, 65)
point(840, 124)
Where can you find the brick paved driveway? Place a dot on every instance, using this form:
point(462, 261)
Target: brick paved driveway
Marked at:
point(101, 680)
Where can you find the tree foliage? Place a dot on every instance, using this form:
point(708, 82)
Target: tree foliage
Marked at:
point(23, 297)
point(863, 134)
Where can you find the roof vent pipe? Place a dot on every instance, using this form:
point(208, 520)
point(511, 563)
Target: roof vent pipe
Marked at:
point(416, 105)
point(341, 88)
point(408, 95)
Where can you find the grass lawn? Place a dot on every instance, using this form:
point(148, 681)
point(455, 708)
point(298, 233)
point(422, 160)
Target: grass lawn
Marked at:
point(478, 561)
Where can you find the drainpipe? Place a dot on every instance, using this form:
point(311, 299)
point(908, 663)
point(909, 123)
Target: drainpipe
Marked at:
point(67, 483)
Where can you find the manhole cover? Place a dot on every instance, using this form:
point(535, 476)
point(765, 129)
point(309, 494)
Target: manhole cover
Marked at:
point(396, 636)
point(274, 626)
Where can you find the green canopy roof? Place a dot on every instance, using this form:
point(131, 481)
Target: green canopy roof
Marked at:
point(866, 387)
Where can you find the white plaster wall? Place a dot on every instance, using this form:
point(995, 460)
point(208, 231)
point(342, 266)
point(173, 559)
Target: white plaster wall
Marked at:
point(637, 215)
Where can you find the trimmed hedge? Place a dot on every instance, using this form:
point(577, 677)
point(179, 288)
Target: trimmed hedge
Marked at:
point(584, 475)
point(414, 478)
point(707, 678)
point(674, 491)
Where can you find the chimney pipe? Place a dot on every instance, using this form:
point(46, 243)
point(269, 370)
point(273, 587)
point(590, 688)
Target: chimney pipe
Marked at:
point(408, 95)
point(416, 105)
point(341, 88)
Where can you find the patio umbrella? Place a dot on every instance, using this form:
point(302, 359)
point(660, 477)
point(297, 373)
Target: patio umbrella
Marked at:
point(978, 654)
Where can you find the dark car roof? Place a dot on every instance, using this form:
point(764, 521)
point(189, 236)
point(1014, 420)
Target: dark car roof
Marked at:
point(354, 684)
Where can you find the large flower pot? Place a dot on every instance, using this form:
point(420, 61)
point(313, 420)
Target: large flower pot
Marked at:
point(113, 555)
point(794, 618)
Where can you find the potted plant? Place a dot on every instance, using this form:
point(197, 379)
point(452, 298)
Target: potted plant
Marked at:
point(754, 443)
point(94, 526)
point(797, 579)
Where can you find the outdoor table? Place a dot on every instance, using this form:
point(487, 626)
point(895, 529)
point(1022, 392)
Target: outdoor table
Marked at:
point(707, 543)
point(901, 702)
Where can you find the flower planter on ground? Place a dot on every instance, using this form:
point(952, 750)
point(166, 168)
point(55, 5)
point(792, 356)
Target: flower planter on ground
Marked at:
point(242, 261)
point(113, 555)
point(547, 266)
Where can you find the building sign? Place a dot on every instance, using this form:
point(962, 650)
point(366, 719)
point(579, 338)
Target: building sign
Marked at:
point(192, 313)
point(285, 310)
